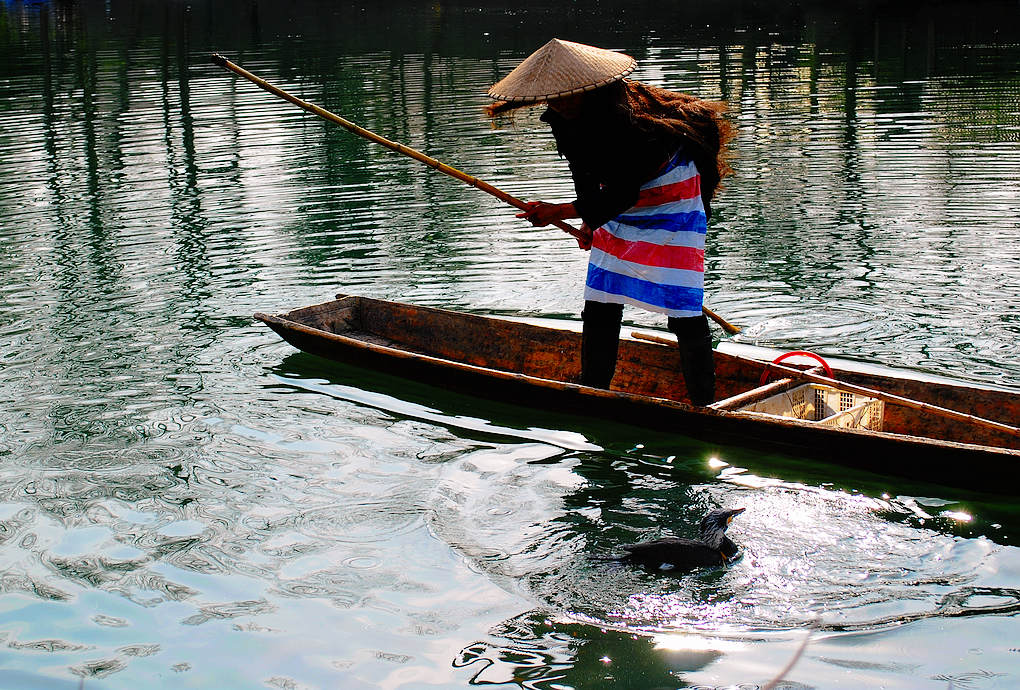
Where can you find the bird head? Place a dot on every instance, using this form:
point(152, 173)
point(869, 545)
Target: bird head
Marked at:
point(717, 521)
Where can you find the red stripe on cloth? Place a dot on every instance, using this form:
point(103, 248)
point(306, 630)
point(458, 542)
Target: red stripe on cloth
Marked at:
point(685, 189)
point(648, 254)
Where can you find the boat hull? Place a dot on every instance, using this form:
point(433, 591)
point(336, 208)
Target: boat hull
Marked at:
point(536, 366)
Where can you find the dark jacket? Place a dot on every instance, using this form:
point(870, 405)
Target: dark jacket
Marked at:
point(610, 158)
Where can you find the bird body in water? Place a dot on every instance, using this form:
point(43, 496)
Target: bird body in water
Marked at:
point(713, 548)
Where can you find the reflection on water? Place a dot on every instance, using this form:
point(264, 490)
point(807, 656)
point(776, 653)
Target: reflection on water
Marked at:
point(537, 518)
point(180, 494)
point(812, 558)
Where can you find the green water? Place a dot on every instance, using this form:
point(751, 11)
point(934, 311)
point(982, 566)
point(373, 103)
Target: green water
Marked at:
point(186, 501)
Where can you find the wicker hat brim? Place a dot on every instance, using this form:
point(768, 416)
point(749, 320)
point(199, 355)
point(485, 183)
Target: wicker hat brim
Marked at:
point(561, 68)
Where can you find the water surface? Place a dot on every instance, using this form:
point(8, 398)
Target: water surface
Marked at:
point(185, 501)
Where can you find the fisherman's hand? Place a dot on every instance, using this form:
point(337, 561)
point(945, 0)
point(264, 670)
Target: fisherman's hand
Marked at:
point(584, 242)
point(540, 213)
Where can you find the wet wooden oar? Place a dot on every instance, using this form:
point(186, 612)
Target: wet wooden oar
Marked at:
point(861, 390)
point(583, 238)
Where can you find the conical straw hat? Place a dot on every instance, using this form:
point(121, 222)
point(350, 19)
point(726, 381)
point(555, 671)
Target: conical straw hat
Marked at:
point(561, 68)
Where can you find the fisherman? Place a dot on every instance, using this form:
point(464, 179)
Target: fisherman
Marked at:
point(645, 163)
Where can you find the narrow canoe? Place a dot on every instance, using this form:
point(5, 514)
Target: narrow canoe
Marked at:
point(538, 365)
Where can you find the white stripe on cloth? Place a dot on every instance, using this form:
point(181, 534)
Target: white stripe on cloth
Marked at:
point(691, 205)
point(677, 174)
point(664, 238)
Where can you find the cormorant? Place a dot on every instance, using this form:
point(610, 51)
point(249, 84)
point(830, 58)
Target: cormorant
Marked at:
point(714, 547)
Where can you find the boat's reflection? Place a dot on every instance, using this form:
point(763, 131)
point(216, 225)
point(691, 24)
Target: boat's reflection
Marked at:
point(688, 459)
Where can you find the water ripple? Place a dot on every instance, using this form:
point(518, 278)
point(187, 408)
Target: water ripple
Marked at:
point(163, 458)
point(806, 553)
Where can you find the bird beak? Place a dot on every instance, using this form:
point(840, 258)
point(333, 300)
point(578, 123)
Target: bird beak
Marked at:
point(733, 513)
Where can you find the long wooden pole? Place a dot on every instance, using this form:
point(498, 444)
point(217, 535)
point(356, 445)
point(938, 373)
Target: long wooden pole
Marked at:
point(583, 238)
point(392, 145)
point(723, 323)
point(861, 390)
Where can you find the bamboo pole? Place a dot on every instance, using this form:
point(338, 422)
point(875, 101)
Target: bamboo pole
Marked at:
point(861, 390)
point(583, 238)
point(392, 145)
point(758, 394)
point(723, 323)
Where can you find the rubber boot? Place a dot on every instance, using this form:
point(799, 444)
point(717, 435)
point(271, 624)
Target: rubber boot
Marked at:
point(600, 342)
point(694, 341)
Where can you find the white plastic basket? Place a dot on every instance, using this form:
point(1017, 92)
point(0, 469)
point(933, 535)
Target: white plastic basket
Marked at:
point(823, 405)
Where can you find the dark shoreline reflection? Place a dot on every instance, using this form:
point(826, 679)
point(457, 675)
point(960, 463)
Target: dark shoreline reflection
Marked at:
point(910, 32)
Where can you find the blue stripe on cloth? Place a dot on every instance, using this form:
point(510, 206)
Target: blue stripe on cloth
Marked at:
point(664, 297)
point(596, 296)
point(694, 221)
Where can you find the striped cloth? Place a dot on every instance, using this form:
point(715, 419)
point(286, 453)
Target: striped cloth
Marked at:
point(653, 254)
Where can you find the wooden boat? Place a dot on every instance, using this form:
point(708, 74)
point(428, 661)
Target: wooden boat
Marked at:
point(538, 365)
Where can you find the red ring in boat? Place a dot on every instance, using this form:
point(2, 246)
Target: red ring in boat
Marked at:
point(795, 353)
